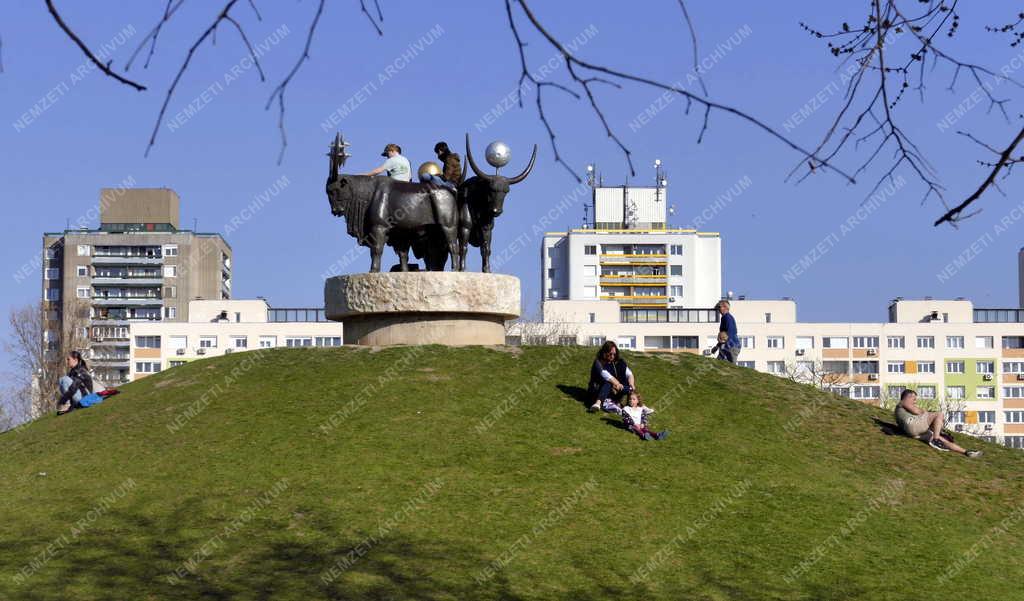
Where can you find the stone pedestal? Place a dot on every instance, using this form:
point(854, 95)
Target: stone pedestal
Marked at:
point(431, 307)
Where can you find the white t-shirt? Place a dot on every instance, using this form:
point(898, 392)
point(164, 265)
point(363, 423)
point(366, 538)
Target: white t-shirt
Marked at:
point(637, 413)
point(398, 167)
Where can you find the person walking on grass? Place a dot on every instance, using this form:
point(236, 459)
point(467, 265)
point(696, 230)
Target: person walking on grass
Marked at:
point(75, 385)
point(634, 415)
point(727, 325)
point(610, 379)
point(926, 425)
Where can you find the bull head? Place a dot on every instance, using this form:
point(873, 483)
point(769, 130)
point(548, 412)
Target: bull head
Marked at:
point(339, 190)
point(498, 185)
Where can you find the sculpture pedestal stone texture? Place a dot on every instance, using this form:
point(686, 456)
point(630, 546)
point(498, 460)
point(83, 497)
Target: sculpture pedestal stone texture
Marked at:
point(451, 308)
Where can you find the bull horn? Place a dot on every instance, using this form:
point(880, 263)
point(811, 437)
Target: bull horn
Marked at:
point(472, 163)
point(529, 168)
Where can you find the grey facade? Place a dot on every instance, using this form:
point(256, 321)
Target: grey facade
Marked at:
point(137, 266)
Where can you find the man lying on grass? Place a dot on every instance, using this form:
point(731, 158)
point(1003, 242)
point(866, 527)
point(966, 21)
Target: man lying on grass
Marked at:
point(926, 425)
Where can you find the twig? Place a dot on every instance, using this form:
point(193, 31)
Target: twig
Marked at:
point(696, 66)
point(953, 215)
point(281, 87)
point(105, 68)
point(362, 6)
point(152, 35)
point(181, 71)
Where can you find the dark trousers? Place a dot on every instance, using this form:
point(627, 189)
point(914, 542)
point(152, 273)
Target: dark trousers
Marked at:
point(605, 392)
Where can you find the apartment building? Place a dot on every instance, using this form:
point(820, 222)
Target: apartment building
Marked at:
point(628, 255)
point(218, 327)
point(137, 266)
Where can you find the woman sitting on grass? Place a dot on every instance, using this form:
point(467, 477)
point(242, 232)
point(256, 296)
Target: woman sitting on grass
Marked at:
point(635, 415)
point(75, 385)
point(925, 425)
point(610, 379)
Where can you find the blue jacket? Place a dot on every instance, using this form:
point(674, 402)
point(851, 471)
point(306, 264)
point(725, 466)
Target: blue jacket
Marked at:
point(728, 325)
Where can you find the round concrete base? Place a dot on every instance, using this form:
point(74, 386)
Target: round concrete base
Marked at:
point(432, 307)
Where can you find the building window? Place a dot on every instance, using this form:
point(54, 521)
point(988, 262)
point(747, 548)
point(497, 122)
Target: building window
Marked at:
point(173, 363)
point(776, 342)
point(1013, 341)
point(954, 367)
point(147, 341)
point(1013, 392)
point(985, 392)
point(590, 249)
point(328, 340)
point(551, 272)
point(1013, 367)
point(676, 249)
point(835, 342)
point(207, 342)
point(170, 250)
point(896, 341)
point(986, 417)
point(804, 342)
point(894, 392)
point(866, 392)
point(297, 341)
point(596, 340)
point(956, 393)
point(590, 292)
point(590, 270)
point(51, 273)
point(985, 367)
point(171, 312)
point(955, 417)
point(926, 367)
point(865, 367)
point(926, 342)
point(626, 342)
point(983, 342)
point(1014, 442)
point(777, 367)
point(82, 292)
point(896, 367)
point(954, 342)
point(1013, 417)
point(865, 342)
point(675, 290)
point(747, 364)
point(83, 250)
point(52, 253)
point(83, 271)
point(835, 367)
point(147, 367)
point(170, 271)
point(746, 342)
point(926, 392)
point(767, 317)
point(176, 343)
point(268, 341)
point(675, 270)
point(240, 342)
point(52, 294)
point(592, 317)
point(170, 292)
point(690, 342)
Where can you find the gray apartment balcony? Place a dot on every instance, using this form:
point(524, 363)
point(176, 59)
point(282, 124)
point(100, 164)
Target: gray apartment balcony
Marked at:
point(110, 360)
point(128, 281)
point(127, 301)
point(126, 260)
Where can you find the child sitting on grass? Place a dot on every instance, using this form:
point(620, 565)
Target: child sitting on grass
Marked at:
point(635, 417)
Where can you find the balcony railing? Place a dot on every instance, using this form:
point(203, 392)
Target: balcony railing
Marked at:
point(631, 259)
point(626, 280)
point(637, 300)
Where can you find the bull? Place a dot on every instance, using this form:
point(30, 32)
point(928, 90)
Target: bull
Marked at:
point(381, 211)
point(481, 200)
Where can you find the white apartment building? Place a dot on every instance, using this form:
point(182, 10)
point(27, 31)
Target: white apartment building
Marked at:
point(218, 327)
point(630, 257)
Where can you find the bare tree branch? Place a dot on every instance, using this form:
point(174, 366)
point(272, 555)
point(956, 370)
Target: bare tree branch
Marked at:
point(282, 87)
point(105, 68)
point(153, 34)
point(362, 6)
point(696, 54)
point(574, 64)
point(951, 216)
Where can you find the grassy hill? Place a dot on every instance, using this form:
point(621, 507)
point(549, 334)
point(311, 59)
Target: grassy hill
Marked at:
point(475, 474)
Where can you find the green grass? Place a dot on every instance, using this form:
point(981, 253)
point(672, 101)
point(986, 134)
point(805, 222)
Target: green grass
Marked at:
point(407, 499)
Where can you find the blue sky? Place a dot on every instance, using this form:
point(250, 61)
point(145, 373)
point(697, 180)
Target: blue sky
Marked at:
point(93, 131)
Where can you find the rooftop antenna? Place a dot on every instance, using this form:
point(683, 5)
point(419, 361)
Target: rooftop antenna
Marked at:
point(195, 224)
point(591, 174)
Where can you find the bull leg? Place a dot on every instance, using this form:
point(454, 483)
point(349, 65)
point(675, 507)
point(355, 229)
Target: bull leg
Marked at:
point(402, 249)
point(377, 240)
point(485, 250)
point(451, 237)
point(463, 246)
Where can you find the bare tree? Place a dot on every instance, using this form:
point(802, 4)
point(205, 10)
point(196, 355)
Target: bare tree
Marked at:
point(38, 351)
point(865, 129)
point(816, 374)
point(533, 330)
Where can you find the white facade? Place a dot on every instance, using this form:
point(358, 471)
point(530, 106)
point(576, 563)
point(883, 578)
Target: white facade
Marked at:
point(219, 327)
point(660, 268)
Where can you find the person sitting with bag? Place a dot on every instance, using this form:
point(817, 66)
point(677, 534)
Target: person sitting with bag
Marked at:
point(74, 386)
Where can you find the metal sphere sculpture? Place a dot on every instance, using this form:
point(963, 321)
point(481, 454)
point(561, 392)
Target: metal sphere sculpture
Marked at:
point(430, 167)
point(498, 154)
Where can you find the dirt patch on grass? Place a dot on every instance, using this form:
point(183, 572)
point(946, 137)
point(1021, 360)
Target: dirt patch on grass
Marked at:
point(174, 383)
